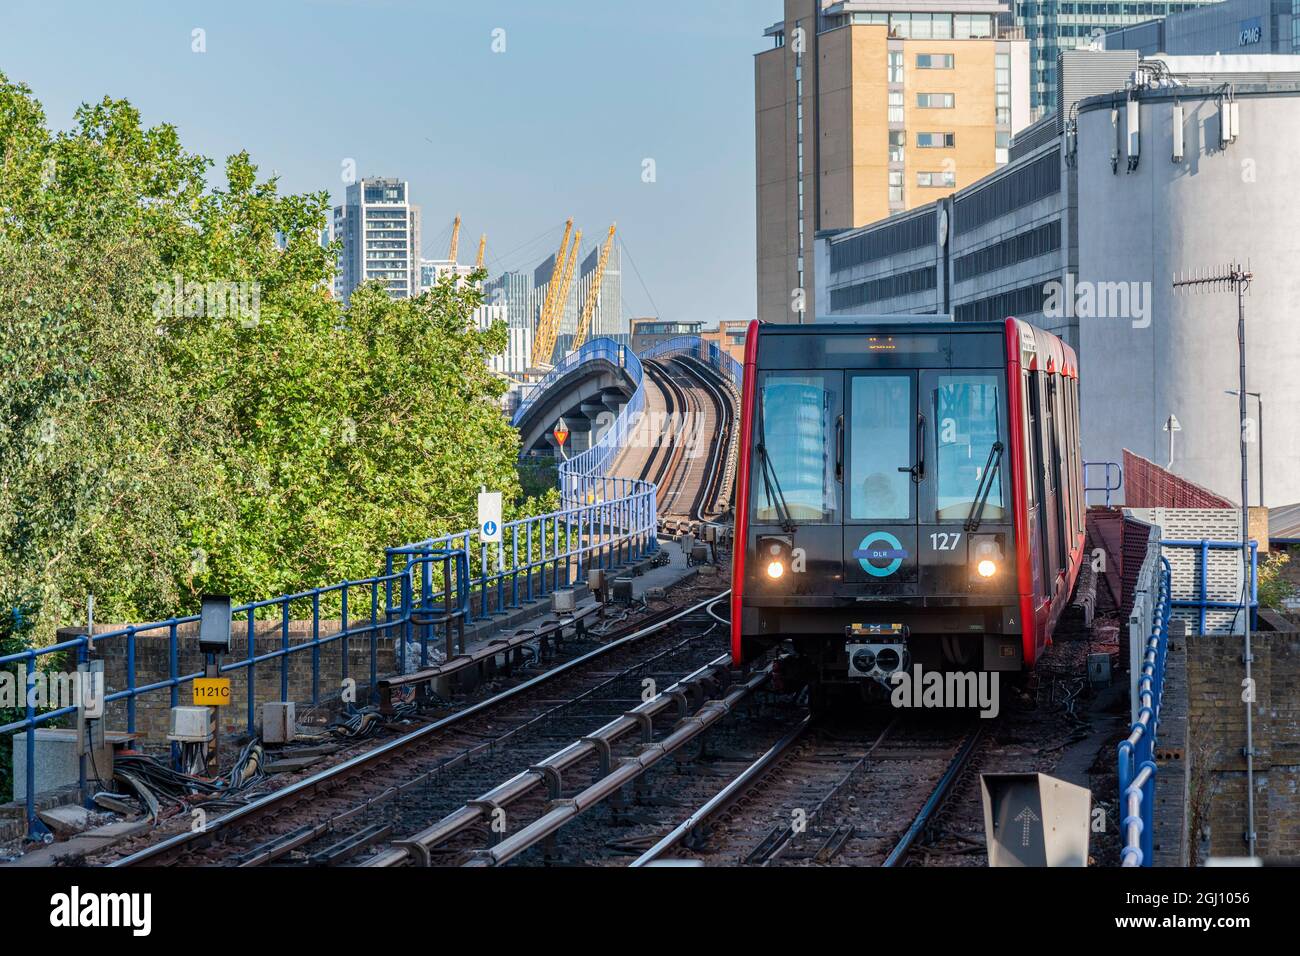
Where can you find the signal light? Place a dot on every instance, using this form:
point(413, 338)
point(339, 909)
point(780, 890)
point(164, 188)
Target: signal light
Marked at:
point(986, 568)
point(775, 569)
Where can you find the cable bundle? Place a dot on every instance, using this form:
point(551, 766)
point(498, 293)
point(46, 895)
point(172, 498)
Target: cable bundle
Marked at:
point(160, 789)
point(365, 722)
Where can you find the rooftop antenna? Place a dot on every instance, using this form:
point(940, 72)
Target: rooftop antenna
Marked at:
point(1238, 278)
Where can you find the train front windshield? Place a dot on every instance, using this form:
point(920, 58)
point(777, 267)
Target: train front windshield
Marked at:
point(795, 436)
point(956, 418)
point(967, 409)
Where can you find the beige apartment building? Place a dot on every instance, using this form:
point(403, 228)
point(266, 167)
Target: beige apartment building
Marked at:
point(865, 109)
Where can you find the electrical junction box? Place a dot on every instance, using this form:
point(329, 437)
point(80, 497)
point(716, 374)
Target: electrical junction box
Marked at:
point(623, 590)
point(1099, 669)
point(279, 722)
point(191, 725)
point(563, 601)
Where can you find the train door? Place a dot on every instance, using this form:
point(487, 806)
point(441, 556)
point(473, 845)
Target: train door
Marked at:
point(963, 494)
point(882, 464)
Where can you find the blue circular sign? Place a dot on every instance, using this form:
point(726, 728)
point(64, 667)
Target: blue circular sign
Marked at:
point(880, 546)
point(489, 528)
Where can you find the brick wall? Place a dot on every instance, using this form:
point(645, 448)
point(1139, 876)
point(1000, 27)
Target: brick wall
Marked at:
point(152, 660)
point(1217, 735)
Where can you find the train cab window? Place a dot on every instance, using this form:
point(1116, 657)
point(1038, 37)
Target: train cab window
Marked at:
point(795, 445)
point(967, 414)
point(883, 426)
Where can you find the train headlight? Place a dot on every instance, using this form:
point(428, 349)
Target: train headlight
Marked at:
point(985, 556)
point(774, 555)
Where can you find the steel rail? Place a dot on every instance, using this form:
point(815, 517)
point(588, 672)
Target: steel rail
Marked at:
point(550, 771)
point(565, 811)
point(937, 796)
point(681, 464)
point(276, 848)
point(676, 402)
point(401, 743)
point(710, 489)
point(660, 455)
point(787, 838)
point(727, 795)
point(714, 614)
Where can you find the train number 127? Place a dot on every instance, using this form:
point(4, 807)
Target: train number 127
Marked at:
point(943, 541)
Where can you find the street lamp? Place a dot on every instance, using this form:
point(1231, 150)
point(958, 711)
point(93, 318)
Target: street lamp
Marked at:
point(1260, 399)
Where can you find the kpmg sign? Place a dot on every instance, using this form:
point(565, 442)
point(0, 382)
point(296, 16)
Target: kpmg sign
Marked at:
point(1250, 32)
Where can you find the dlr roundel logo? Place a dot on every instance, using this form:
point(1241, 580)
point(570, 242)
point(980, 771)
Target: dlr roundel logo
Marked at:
point(878, 547)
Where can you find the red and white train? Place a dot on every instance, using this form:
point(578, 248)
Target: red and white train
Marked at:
point(906, 492)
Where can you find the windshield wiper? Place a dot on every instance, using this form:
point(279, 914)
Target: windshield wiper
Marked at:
point(771, 484)
point(991, 469)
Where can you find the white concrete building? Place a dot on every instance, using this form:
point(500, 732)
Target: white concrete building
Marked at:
point(380, 231)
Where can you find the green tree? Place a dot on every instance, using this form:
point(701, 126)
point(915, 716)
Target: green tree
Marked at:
point(154, 445)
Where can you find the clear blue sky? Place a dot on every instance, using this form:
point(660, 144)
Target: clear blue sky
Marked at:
point(557, 125)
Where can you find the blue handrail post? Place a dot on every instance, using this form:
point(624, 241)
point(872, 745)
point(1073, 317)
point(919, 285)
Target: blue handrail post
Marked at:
point(173, 672)
point(1204, 583)
point(528, 563)
point(406, 618)
point(388, 585)
point(35, 828)
point(514, 565)
point(130, 680)
point(315, 648)
point(343, 627)
point(1148, 809)
point(251, 708)
point(1254, 585)
point(374, 640)
point(568, 548)
point(284, 650)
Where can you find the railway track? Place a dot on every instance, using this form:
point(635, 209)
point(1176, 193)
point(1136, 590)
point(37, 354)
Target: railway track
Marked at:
point(688, 463)
point(345, 810)
point(827, 794)
point(606, 763)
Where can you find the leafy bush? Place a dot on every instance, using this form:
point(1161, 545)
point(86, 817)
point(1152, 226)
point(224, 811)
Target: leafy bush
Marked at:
point(1274, 588)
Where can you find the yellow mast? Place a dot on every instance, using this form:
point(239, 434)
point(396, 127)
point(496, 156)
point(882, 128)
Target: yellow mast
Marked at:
point(563, 298)
point(455, 240)
point(589, 308)
point(546, 322)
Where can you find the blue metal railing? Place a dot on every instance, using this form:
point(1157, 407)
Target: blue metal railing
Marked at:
point(1137, 766)
point(597, 350)
point(710, 353)
point(418, 600)
point(543, 553)
point(583, 477)
point(1202, 601)
point(604, 521)
point(1112, 478)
